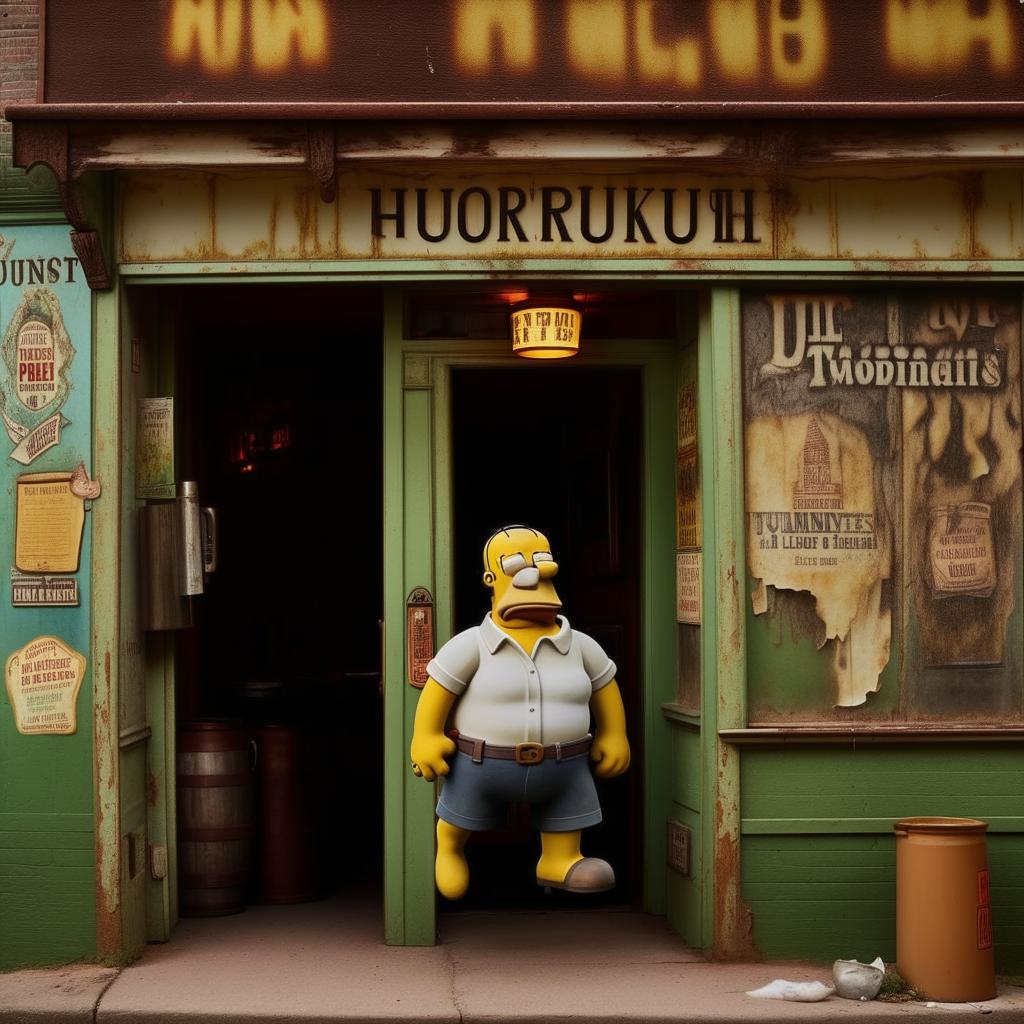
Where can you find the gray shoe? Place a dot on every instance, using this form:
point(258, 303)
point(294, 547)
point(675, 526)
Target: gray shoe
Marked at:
point(592, 874)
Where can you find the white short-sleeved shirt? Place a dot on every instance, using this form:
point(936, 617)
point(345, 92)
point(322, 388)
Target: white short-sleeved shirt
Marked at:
point(509, 697)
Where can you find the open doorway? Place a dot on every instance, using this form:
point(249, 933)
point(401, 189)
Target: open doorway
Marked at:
point(559, 449)
point(279, 419)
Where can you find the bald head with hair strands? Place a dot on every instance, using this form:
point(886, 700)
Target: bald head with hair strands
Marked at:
point(518, 569)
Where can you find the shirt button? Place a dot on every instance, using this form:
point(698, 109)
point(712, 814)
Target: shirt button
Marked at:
point(533, 671)
point(533, 709)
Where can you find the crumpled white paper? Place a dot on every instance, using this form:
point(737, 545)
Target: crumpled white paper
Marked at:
point(795, 991)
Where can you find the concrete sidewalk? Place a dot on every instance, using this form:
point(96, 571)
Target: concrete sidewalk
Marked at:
point(324, 961)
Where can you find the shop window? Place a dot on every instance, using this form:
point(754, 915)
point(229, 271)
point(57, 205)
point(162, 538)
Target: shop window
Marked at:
point(883, 507)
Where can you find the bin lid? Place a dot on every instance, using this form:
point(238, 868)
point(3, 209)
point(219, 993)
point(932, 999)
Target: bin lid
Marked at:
point(940, 825)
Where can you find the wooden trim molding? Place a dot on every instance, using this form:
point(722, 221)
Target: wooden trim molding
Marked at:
point(867, 733)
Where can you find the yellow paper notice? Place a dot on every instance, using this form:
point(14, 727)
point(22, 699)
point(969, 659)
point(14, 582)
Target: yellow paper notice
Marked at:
point(49, 524)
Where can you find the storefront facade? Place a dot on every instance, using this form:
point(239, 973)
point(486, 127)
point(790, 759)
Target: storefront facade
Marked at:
point(804, 292)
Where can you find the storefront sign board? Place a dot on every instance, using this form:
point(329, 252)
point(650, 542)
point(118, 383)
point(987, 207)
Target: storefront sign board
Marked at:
point(432, 54)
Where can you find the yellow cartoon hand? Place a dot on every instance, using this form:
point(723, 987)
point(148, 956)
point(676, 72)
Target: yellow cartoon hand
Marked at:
point(428, 755)
point(610, 752)
point(430, 746)
point(610, 748)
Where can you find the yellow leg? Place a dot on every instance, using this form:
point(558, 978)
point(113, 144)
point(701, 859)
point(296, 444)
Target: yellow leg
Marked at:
point(558, 852)
point(451, 872)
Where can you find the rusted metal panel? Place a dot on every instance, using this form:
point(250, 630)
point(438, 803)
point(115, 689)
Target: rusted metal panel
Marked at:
point(775, 148)
point(107, 147)
point(747, 55)
point(909, 218)
point(493, 215)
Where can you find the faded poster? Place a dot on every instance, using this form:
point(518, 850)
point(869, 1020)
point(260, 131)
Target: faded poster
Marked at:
point(820, 475)
point(962, 477)
point(872, 419)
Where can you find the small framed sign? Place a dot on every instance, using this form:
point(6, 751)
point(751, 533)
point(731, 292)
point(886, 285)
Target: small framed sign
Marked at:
point(419, 635)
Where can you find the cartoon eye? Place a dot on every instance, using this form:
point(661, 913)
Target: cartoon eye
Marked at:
point(511, 564)
point(542, 556)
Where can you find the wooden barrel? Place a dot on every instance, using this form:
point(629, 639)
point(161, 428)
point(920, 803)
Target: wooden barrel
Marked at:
point(215, 818)
point(284, 867)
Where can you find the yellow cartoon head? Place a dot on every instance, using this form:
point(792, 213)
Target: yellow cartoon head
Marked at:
point(518, 569)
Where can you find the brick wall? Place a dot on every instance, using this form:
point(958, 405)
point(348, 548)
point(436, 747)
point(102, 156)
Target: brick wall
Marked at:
point(19, 70)
point(19, 33)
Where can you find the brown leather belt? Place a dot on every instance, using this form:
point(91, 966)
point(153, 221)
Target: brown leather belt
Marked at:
point(522, 753)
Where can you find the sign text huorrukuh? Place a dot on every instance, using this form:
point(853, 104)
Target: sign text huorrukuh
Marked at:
point(556, 213)
point(592, 52)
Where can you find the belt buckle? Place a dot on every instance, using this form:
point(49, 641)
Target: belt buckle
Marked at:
point(529, 753)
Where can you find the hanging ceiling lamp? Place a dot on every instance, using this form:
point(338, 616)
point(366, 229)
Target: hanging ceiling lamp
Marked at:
point(546, 328)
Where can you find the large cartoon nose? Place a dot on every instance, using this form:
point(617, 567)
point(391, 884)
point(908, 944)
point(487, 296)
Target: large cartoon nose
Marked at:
point(526, 579)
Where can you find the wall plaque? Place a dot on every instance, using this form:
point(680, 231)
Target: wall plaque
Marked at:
point(34, 591)
point(679, 842)
point(43, 679)
point(689, 575)
point(419, 635)
point(960, 547)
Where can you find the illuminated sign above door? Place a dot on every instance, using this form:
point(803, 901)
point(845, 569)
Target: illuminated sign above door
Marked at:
point(592, 52)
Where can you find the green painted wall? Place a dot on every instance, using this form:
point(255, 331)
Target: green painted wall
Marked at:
point(818, 852)
point(47, 861)
point(685, 907)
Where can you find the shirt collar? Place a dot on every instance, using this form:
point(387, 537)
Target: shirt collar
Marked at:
point(494, 637)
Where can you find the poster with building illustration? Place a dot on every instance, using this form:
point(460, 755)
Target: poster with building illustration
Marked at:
point(882, 501)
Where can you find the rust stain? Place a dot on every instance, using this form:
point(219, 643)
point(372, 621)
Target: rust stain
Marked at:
point(108, 929)
point(108, 917)
point(211, 186)
point(973, 195)
point(734, 920)
point(469, 141)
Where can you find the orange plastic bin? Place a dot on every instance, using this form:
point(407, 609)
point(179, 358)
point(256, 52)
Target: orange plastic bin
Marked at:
point(943, 915)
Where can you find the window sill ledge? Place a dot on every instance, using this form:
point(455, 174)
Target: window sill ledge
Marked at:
point(864, 734)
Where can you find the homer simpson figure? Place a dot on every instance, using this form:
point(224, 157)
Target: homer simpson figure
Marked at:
point(525, 684)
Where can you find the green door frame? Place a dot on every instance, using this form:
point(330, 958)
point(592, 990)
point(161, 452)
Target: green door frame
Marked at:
point(417, 527)
point(417, 541)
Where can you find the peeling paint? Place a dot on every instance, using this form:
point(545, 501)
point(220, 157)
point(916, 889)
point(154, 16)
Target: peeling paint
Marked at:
point(734, 920)
point(108, 918)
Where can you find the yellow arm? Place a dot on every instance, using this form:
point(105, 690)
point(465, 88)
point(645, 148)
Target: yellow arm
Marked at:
point(610, 748)
point(430, 746)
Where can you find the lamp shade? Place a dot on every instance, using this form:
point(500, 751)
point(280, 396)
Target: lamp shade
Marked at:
point(545, 330)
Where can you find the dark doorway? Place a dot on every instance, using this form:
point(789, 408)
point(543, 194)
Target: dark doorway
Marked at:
point(559, 449)
point(280, 404)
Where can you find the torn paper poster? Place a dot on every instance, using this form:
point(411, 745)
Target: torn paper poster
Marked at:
point(813, 526)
